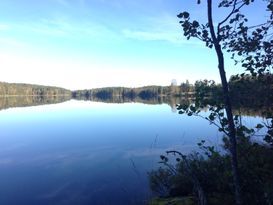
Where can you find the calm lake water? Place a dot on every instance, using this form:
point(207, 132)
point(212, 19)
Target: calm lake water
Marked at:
point(82, 152)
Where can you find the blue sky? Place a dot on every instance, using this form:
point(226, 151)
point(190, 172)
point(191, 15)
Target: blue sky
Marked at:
point(80, 44)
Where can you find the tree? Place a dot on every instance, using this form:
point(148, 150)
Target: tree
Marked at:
point(204, 176)
point(250, 44)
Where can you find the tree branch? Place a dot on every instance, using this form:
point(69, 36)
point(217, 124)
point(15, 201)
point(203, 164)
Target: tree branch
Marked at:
point(228, 16)
point(233, 11)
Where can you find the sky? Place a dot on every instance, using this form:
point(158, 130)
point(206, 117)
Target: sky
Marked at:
point(81, 44)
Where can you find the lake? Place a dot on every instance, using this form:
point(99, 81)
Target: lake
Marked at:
point(83, 152)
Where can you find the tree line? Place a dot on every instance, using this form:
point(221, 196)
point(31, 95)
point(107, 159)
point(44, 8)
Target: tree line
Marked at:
point(245, 91)
point(20, 89)
point(146, 92)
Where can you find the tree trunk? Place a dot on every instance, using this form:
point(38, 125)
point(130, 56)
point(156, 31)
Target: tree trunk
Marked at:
point(228, 107)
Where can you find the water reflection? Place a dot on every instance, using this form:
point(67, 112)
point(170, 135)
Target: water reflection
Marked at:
point(246, 107)
point(25, 101)
point(83, 152)
point(151, 100)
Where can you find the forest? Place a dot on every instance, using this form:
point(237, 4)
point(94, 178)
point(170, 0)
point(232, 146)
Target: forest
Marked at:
point(207, 92)
point(246, 92)
point(20, 89)
point(146, 92)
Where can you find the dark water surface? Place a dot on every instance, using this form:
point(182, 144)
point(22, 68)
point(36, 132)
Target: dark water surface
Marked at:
point(81, 152)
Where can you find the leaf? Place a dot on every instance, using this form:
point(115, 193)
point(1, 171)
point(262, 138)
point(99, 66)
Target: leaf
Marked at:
point(195, 24)
point(186, 14)
point(211, 117)
point(180, 16)
point(259, 126)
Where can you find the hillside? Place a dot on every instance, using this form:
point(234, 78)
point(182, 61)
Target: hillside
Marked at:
point(19, 89)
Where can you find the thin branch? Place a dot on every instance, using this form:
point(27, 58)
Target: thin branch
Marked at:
point(215, 124)
point(171, 168)
point(230, 14)
point(233, 11)
point(258, 25)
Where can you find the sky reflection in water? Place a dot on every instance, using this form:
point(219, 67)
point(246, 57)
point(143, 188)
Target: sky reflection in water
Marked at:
point(81, 152)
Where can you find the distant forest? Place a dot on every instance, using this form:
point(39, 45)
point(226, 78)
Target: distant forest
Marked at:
point(19, 89)
point(246, 91)
point(146, 92)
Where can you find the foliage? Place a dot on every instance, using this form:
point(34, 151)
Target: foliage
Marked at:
point(145, 93)
point(208, 89)
point(269, 135)
point(173, 201)
point(212, 170)
point(251, 90)
point(250, 45)
point(18, 89)
point(251, 95)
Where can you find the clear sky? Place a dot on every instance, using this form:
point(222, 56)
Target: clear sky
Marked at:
point(80, 44)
